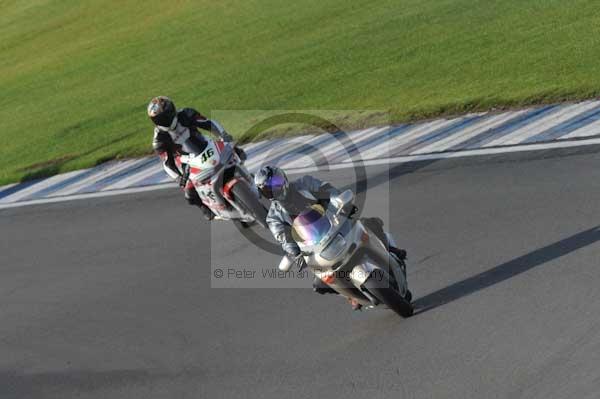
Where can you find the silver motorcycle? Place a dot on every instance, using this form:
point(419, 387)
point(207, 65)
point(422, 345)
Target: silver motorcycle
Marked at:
point(348, 257)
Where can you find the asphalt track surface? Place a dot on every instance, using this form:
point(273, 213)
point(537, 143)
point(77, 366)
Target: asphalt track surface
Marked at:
point(111, 298)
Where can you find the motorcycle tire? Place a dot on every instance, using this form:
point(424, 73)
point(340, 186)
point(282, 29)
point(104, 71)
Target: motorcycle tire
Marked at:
point(382, 289)
point(246, 198)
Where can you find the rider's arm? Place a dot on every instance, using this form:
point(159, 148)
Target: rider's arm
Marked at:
point(321, 190)
point(281, 231)
point(163, 145)
point(201, 122)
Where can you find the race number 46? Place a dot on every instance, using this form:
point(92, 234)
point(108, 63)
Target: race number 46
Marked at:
point(206, 155)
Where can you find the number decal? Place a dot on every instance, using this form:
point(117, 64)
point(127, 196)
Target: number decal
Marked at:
point(206, 155)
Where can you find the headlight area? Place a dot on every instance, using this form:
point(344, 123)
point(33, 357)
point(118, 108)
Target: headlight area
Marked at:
point(335, 248)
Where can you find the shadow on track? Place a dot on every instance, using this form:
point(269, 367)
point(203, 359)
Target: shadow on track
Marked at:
point(507, 270)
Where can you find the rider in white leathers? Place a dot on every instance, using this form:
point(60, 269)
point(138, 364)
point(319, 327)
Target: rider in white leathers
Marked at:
point(176, 131)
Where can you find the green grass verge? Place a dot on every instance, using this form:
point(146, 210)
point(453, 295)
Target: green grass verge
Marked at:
point(75, 76)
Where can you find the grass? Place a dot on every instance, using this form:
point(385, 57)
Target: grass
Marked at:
point(75, 76)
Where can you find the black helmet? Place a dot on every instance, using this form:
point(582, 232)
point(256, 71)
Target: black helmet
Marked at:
point(272, 182)
point(162, 111)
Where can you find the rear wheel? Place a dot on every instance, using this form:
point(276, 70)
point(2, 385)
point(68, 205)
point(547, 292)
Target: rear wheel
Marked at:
point(380, 286)
point(247, 200)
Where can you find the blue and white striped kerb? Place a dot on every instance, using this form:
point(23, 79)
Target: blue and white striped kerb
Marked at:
point(473, 133)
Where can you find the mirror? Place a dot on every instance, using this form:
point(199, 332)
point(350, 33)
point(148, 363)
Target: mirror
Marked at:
point(342, 199)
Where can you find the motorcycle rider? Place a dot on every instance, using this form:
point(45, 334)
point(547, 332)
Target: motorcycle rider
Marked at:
point(289, 199)
point(176, 132)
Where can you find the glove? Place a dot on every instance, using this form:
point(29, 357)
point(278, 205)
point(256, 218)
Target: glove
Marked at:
point(352, 211)
point(226, 137)
point(241, 153)
point(181, 180)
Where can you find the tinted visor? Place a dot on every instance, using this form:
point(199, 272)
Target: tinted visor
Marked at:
point(274, 186)
point(310, 226)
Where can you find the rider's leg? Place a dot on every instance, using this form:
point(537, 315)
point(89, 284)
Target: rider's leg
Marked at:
point(376, 226)
point(192, 197)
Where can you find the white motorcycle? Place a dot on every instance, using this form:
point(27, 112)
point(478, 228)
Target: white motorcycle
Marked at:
point(348, 257)
point(224, 184)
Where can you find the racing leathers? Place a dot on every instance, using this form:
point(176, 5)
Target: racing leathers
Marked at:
point(185, 138)
point(301, 194)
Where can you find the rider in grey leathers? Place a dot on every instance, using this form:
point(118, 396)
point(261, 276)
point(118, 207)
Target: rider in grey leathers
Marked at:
point(289, 199)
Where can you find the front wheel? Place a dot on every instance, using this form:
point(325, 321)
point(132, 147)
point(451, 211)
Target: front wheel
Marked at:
point(249, 202)
point(382, 289)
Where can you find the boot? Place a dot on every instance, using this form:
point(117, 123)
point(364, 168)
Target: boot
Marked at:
point(354, 303)
point(399, 253)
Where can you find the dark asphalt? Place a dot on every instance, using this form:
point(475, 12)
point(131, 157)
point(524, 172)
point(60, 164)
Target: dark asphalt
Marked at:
point(111, 298)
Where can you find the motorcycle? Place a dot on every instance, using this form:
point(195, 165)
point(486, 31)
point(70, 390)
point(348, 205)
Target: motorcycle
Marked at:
point(224, 184)
point(348, 257)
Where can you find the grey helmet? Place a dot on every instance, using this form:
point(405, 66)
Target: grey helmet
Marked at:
point(272, 182)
